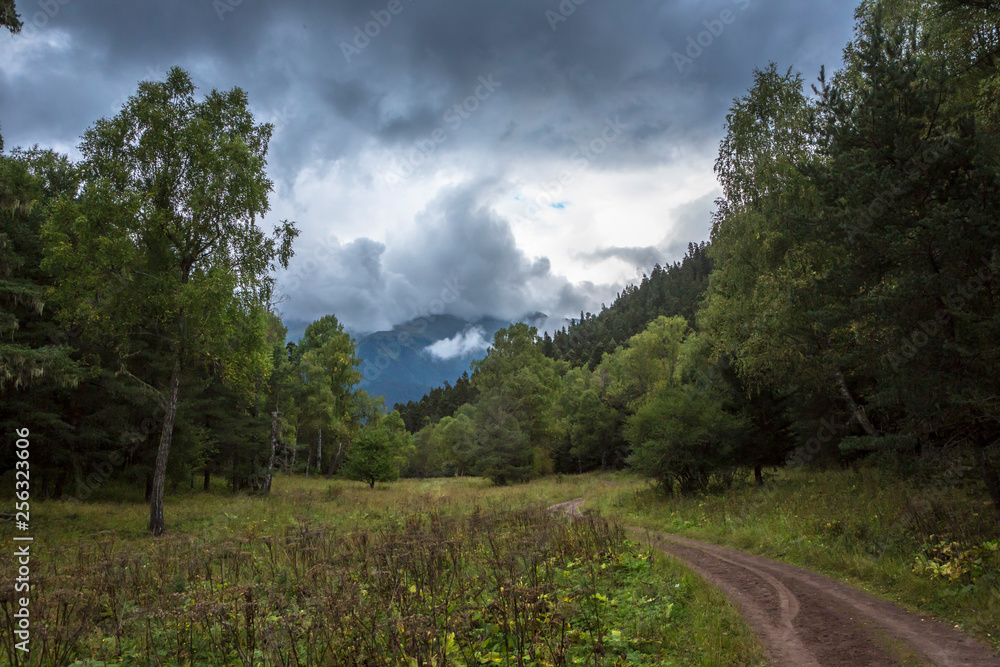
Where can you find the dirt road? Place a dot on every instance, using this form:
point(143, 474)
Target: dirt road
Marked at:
point(805, 619)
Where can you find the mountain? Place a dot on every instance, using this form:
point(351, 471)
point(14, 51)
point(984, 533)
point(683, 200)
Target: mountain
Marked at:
point(407, 362)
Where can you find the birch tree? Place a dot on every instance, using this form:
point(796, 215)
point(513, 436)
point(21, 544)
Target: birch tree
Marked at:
point(164, 241)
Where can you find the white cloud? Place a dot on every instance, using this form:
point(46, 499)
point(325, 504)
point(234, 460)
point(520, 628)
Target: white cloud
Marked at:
point(467, 342)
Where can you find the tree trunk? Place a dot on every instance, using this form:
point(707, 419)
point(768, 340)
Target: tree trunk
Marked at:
point(156, 524)
point(336, 465)
point(266, 486)
point(234, 482)
point(60, 484)
point(758, 475)
point(990, 477)
point(855, 408)
point(254, 480)
point(319, 452)
point(208, 479)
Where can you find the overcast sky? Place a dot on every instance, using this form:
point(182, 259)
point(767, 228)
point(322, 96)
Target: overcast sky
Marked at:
point(477, 157)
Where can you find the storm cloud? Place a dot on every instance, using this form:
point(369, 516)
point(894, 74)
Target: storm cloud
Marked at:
point(415, 139)
point(464, 253)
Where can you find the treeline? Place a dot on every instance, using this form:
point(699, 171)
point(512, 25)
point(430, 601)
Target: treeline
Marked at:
point(852, 303)
point(674, 290)
point(535, 415)
point(439, 402)
point(138, 337)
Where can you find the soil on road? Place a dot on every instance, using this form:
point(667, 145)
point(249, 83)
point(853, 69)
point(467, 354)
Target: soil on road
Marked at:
point(805, 619)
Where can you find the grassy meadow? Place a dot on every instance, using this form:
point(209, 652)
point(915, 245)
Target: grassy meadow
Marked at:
point(436, 572)
point(460, 572)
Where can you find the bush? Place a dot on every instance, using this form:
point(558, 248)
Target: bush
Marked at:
point(683, 437)
point(372, 457)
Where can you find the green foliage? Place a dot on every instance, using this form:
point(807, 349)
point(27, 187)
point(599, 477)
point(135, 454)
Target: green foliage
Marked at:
point(438, 403)
point(677, 427)
point(33, 347)
point(9, 19)
point(503, 449)
point(648, 360)
point(167, 220)
point(378, 450)
point(325, 367)
point(592, 427)
point(762, 305)
point(683, 436)
point(445, 449)
point(675, 290)
point(855, 242)
point(458, 440)
point(515, 421)
point(161, 253)
point(923, 255)
point(43, 374)
point(958, 563)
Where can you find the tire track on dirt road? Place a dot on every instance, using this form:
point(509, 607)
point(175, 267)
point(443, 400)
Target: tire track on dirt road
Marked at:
point(806, 620)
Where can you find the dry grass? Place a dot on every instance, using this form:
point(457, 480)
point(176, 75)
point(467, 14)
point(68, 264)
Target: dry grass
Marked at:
point(435, 572)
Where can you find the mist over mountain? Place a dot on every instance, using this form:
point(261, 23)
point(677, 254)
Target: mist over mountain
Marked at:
point(405, 363)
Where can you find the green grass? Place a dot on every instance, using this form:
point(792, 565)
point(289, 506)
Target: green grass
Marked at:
point(927, 548)
point(343, 504)
point(453, 571)
point(932, 549)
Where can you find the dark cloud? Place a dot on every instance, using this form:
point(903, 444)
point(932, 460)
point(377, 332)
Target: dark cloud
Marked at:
point(692, 223)
point(561, 82)
point(460, 257)
point(459, 243)
point(431, 53)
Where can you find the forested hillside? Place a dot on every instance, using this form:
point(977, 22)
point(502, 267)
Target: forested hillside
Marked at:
point(851, 309)
point(401, 364)
point(439, 402)
point(673, 290)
